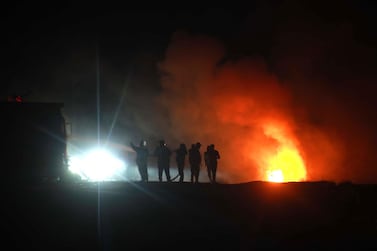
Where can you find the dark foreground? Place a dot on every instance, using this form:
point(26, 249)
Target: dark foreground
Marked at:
point(157, 216)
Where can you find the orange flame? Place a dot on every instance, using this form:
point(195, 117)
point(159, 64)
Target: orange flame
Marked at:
point(286, 164)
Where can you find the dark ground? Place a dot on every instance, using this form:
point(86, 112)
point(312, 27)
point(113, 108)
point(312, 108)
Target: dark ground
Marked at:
point(163, 216)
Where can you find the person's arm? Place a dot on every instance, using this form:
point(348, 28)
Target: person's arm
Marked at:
point(133, 146)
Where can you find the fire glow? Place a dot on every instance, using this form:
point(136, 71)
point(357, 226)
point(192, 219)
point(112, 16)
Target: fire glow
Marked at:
point(286, 164)
point(241, 106)
point(275, 175)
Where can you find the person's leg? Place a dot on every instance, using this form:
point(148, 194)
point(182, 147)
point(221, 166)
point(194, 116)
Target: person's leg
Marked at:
point(180, 172)
point(214, 173)
point(196, 174)
point(167, 173)
point(160, 173)
point(145, 173)
point(140, 173)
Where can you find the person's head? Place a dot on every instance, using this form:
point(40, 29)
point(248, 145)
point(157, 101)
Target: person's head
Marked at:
point(143, 143)
point(212, 146)
point(182, 146)
point(198, 145)
point(162, 142)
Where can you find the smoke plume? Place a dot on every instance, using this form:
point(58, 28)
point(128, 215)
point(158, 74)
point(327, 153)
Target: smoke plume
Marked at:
point(257, 119)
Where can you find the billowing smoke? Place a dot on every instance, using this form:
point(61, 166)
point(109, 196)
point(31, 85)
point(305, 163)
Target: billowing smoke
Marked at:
point(237, 105)
point(261, 122)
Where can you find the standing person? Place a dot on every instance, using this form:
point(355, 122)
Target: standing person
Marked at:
point(191, 161)
point(142, 159)
point(162, 152)
point(207, 163)
point(180, 156)
point(195, 159)
point(213, 156)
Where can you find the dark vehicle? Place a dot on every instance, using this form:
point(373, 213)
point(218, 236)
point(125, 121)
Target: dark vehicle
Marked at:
point(34, 140)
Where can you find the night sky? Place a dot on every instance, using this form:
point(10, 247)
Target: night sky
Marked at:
point(251, 78)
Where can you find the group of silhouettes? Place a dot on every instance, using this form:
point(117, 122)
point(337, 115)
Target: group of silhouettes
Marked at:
point(163, 154)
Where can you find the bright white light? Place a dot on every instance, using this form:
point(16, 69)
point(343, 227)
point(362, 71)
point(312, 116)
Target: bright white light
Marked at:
point(96, 165)
point(275, 176)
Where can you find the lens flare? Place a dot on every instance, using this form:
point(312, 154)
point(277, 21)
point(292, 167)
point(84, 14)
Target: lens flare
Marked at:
point(97, 165)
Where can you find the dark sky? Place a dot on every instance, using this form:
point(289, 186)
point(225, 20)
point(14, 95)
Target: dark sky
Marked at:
point(311, 64)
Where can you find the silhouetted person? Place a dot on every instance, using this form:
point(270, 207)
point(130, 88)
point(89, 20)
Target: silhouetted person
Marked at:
point(180, 156)
point(162, 152)
point(191, 162)
point(195, 160)
point(190, 159)
point(142, 159)
point(213, 155)
point(206, 163)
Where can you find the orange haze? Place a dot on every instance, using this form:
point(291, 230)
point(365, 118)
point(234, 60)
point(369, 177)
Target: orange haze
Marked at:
point(260, 130)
